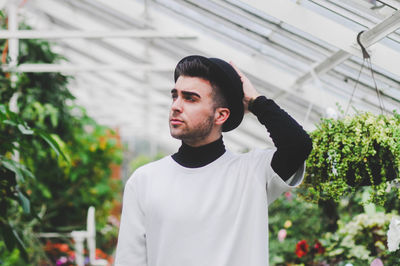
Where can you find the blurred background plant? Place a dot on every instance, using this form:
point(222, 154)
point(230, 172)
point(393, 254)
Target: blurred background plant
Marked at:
point(44, 191)
point(295, 229)
point(351, 231)
point(341, 213)
point(361, 240)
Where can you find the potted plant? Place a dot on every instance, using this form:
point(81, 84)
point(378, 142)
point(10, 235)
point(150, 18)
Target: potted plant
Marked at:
point(351, 152)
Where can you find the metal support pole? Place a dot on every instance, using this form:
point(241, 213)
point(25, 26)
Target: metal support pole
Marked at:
point(13, 44)
point(12, 13)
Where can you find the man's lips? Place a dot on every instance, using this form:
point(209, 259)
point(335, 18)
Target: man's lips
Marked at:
point(175, 121)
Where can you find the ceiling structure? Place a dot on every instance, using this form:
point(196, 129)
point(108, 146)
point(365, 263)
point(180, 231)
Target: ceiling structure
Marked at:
point(303, 54)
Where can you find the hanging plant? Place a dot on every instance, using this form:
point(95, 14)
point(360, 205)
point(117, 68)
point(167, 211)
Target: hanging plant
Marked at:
point(352, 152)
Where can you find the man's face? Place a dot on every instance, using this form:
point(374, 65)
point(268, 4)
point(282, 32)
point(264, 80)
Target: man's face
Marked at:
point(192, 111)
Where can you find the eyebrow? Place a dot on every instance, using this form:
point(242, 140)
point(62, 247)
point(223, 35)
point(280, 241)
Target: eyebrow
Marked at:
point(186, 93)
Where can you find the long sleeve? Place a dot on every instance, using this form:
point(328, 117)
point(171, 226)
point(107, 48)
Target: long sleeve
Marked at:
point(131, 247)
point(292, 142)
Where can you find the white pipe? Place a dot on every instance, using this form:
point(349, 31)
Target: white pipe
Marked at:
point(79, 238)
point(12, 13)
point(89, 68)
point(63, 34)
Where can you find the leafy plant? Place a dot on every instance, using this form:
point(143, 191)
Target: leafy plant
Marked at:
point(66, 191)
point(355, 151)
point(292, 220)
point(15, 134)
point(361, 240)
point(40, 184)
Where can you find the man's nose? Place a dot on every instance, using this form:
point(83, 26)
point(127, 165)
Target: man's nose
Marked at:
point(177, 105)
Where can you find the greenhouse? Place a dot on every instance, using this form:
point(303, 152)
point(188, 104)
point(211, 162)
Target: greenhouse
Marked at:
point(96, 95)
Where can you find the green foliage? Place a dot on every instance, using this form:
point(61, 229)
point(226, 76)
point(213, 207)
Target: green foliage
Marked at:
point(65, 190)
point(361, 240)
point(15, 135)
point(348, 153)
point(58, 175)
point(301, 221)
point(361, 235)
point(11, 258)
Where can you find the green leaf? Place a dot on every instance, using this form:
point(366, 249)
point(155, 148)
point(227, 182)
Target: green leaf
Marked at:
point(74, 176)
point(102, 188)
point(25, 130)
point(3, 108)
point(19, 169)
point(26, 205)
point(53, 144)
point(45, 191)
point(11, 238)
point(54, 119)
point(9, 122)
point(12, 166)
point(25, 170)
point(8, 236)
point(20, 245)
point(53, 112)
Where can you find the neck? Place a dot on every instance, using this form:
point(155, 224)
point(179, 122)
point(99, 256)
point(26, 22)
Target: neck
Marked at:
point(199, 156)
point(214, 136)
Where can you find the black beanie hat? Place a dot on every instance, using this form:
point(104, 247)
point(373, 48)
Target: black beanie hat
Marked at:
point(226, 78)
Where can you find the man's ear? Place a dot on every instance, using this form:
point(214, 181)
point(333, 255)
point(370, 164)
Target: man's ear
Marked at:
point(221, 115)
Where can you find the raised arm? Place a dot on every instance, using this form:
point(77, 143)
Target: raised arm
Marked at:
point(292, 142)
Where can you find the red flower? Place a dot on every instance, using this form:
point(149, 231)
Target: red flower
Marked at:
point(63, 247)
point(319, 248)
point(301, 248)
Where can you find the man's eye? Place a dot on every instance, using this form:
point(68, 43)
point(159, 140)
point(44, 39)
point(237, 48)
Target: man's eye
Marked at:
point(174, 96)
point(190, 99)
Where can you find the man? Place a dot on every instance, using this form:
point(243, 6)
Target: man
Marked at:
point(205, 206)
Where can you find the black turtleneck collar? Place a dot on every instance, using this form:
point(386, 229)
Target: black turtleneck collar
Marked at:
point(193, 157)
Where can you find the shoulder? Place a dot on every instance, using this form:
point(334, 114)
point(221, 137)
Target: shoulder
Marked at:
point(257, 153)
point(145, 171)
point(155, 165)
point(254, 159)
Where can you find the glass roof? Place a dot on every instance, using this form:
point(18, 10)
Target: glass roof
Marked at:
point(303, 54)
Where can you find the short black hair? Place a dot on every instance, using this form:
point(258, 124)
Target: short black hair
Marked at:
point(195, 67)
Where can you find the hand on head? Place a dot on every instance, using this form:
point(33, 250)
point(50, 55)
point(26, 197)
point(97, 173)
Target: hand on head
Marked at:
point(250, 93)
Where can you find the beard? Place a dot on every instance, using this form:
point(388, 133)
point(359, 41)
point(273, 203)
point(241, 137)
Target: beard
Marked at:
point(195, 133)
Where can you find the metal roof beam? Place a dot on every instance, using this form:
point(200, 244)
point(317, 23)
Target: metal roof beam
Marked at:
point(107, 15)
point(391, 3)
point(85, 68)
point(86, 34)
point(367, 38)
point(310, 22)
point(352, 10)
point(258, 65)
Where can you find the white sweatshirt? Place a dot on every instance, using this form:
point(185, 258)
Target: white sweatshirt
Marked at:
point(215, 215)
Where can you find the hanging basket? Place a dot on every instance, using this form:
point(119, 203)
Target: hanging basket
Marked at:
point(374, 169)
point(355, 151)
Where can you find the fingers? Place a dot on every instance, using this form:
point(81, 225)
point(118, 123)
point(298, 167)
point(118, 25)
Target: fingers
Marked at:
point(249, 91)
point(237, 69)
